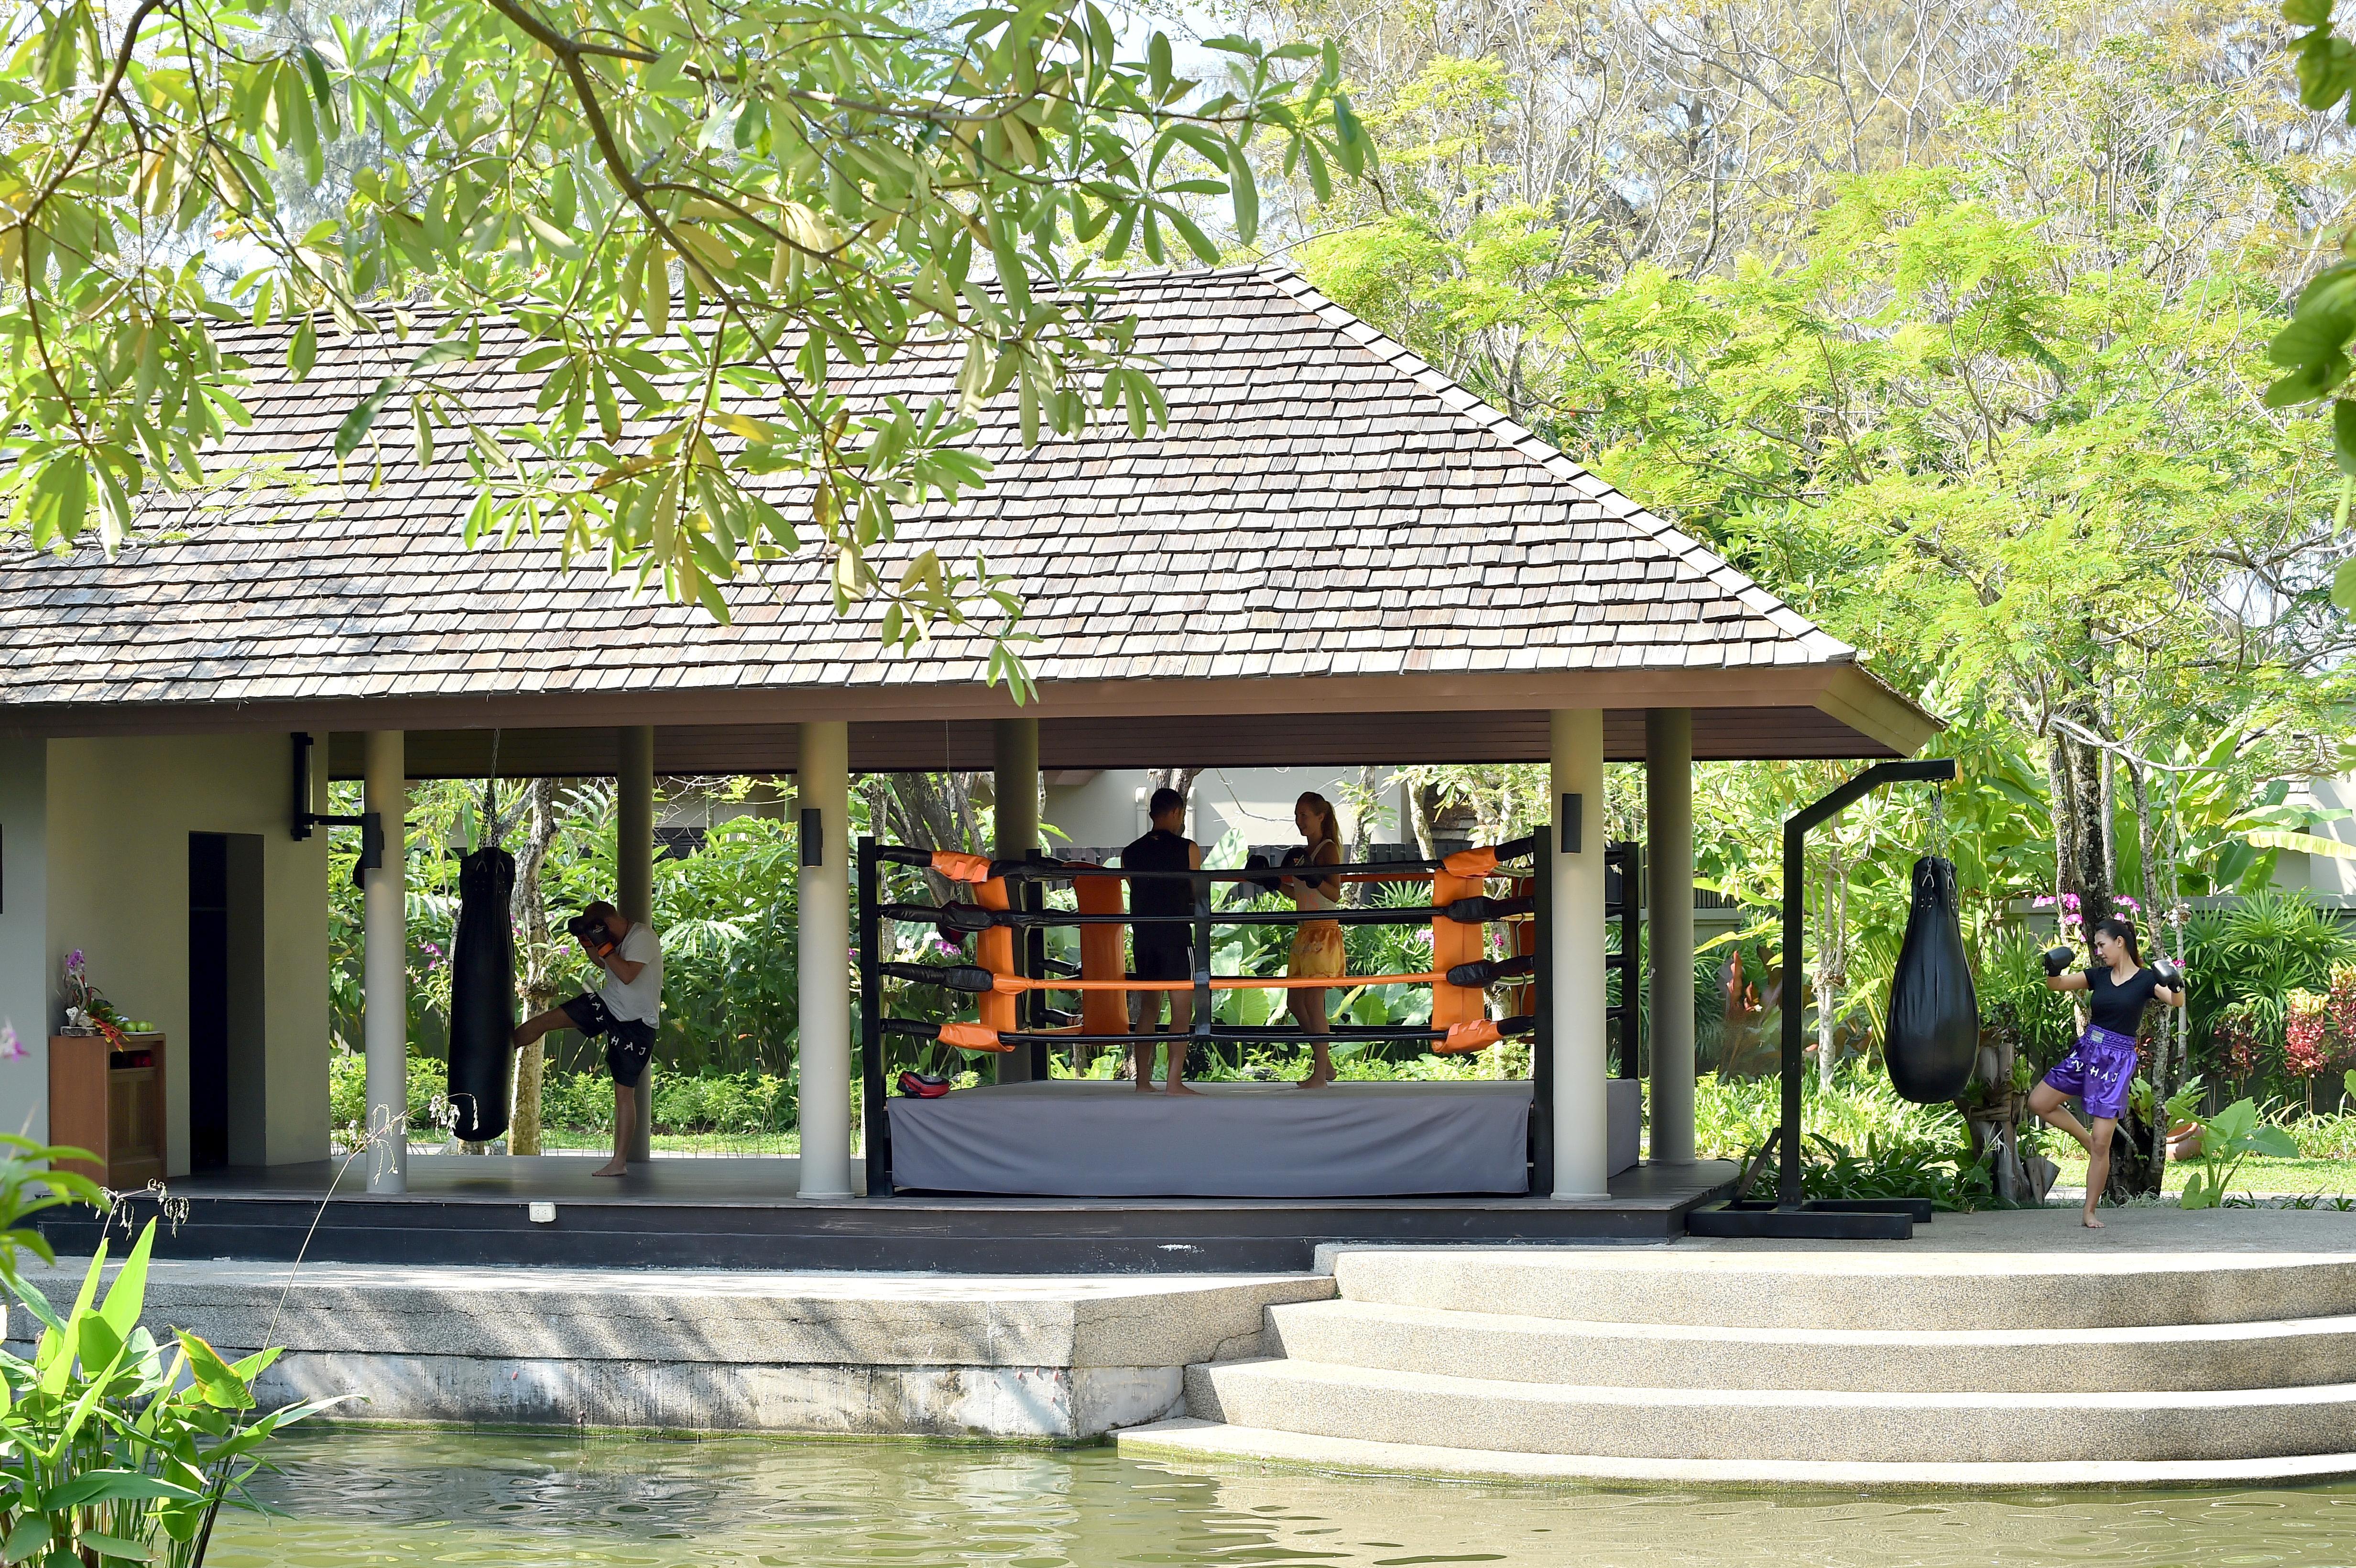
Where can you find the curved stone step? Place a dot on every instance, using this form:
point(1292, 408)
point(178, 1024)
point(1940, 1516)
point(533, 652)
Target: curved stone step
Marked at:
point(1191, 1443)
point(1881, 1290)
point(2279, 1353)
point(1323, 1399)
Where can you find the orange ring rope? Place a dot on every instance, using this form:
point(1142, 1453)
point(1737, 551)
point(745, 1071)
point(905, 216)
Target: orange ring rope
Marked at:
point(1015, 985)
point(1462, 1039)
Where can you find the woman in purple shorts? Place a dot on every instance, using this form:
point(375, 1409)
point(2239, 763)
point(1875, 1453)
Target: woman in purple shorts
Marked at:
point(2098, 1070)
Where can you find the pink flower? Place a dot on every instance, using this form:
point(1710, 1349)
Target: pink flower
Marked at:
point(11, 1047)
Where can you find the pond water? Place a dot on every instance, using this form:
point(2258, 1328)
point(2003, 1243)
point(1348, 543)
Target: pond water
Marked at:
point(356, 1499)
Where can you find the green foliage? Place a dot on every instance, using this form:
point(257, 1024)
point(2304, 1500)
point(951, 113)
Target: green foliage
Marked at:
point(685, 1102)
point(1895, 1168)
point(727, 912)
point(2230, 1136)
point(111, 1450)
point(704, 222)
point(429, 1091)
point(1860, 1139)
point(1859, 1110)
point(2244, 961)
point(2013, 996)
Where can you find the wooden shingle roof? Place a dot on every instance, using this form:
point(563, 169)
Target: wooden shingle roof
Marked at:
point(1327, 524)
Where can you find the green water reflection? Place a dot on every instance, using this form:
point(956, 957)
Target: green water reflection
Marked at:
point(376, 1498)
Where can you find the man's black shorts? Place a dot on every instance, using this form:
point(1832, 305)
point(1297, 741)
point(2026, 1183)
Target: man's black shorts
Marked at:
point(628, 1042)
point(1165, 957)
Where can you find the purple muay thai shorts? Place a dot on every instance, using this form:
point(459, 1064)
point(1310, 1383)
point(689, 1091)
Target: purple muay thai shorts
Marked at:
point(2098, 1071)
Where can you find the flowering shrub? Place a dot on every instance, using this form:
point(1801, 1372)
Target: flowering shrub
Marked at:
point(2309, 1046)
point(2239, 1038)
point(2343, 996)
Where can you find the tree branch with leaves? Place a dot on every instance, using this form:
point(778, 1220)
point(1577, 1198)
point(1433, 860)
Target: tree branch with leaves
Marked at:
point(707, 218)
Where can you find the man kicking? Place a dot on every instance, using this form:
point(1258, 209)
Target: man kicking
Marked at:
point(624, 1008)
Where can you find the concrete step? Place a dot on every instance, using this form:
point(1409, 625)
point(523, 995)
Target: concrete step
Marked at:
point(1190, 1444)
point(1509, 1348)
point(1319, 1399)
point(1876, 1290)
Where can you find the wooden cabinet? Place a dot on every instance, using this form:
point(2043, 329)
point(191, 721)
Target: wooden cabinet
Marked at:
point(110, 1103)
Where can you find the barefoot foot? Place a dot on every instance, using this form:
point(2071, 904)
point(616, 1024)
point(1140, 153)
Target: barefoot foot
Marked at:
point(611, 1169)
point(2089, 1221)
point(1182, 1089)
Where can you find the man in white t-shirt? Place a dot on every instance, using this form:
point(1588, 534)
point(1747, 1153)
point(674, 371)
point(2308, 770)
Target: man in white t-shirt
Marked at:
point(624, 1008)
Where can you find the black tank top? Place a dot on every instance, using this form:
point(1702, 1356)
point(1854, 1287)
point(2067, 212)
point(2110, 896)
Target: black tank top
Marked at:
point(1161, 851)
point(2117, 1007)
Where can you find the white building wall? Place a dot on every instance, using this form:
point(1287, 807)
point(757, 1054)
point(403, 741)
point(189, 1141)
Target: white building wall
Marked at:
point(120, 811)
point(26, 986)
point(2328, 877)
point(1103, 810)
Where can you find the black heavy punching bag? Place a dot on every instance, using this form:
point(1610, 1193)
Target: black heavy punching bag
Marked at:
point(1935, 1013)
point(482, 996)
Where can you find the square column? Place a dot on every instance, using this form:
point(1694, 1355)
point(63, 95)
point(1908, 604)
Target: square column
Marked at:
point(384, 962)
point(1014, 783)
point(823, 789)
point(1669, 926)
point(1582, 1125)
point(634, 879)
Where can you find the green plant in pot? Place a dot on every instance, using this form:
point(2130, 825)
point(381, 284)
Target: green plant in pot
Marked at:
point(2227, 1138)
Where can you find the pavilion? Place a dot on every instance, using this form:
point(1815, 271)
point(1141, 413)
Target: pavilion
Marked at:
point(1332, 554)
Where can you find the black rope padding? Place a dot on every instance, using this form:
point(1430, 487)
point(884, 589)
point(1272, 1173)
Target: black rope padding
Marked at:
point(1489, 971)
point(1065, 870)
point(976, 981)
point(967, 919)
point(970, 978)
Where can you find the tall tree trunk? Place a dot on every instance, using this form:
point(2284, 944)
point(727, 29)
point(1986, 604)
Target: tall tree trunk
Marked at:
point(2065, 853)
point(1423, 801)
point(529, 907)
point(1362, 837)
point(935, 811)
point(2087, 872)
point(1180, 779)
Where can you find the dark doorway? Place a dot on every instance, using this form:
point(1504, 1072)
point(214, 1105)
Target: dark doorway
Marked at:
point(227, 1087)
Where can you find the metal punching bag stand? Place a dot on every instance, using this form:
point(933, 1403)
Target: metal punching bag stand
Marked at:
point(1792, 1214)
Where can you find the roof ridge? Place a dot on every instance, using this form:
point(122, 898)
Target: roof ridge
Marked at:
point(1290, 281)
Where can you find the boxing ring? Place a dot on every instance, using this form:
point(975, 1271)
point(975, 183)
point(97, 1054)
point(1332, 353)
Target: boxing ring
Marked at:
point(1487, 913)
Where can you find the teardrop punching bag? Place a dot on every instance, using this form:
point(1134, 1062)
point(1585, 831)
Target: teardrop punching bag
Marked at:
point(482, 996)
point(1935, 1012)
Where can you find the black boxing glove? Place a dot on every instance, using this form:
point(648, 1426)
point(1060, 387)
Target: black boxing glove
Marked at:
point(2057, 960)
point(2170, 973)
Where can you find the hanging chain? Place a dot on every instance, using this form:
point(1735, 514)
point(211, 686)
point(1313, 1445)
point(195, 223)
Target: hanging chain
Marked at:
point(490, 830)
point(1939, 823)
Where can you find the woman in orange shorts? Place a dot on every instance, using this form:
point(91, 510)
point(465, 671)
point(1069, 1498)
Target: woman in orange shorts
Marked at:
point(1317, 951)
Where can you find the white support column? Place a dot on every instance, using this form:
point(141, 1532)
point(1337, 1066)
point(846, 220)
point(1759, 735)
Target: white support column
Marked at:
point(823, 786)
point(1669, 927)
point(384, 963)
point(1014, 783)
point(1582, 1133)
point(634, 890)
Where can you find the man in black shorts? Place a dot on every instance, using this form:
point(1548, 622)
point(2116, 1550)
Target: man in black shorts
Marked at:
point(1165, 952)
point(624, 1008)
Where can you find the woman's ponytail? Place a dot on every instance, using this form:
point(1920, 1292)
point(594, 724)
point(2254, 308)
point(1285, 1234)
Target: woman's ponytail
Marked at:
point(2121, 927)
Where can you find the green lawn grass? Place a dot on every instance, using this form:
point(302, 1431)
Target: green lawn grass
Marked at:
point(2262, 1176)
point(565, 1140)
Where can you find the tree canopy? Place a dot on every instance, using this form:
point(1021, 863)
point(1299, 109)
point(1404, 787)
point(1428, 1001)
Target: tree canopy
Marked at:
point(700, 212)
